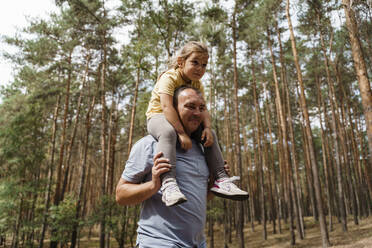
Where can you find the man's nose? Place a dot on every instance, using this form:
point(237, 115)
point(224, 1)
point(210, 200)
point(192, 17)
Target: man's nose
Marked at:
point(197, 111)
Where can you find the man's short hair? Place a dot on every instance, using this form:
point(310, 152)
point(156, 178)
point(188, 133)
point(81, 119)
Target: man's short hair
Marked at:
point(178, 91)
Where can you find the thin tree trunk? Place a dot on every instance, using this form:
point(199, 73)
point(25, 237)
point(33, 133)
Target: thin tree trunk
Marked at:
point(50, 173)
point(361, 73)
point(57, 196)
point(283, 125)
point(82, 174)
point(324, 155)
point(133, 112)
point(271, 164)
point(102, 231)
point(240, 213)
point(322, 222)
point(335, 128)
point(259, 166)
point(72, 139)
point(17, 225)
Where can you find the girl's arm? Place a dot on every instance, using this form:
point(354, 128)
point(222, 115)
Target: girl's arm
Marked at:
point(207, 132)
point(171, 115)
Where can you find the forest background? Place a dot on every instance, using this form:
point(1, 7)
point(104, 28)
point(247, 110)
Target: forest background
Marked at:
point(291, 105)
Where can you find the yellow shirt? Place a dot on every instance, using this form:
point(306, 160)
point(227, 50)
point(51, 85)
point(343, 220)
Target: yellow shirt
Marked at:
point(167, 84)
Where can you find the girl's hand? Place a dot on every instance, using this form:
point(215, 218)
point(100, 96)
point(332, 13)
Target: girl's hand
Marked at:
point(207, 136)
point(185, 141)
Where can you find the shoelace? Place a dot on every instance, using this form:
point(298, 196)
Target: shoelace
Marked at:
point(171, 187)
point(231, 179)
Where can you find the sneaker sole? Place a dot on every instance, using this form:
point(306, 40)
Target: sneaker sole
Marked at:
point(231, 197)
point(180, 201)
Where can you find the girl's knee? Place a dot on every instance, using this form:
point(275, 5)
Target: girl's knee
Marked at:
point(169, 133)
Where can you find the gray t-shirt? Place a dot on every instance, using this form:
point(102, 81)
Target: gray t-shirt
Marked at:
point(177, 226)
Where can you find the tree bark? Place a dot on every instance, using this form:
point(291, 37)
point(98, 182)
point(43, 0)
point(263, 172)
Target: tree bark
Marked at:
point(82, 174)
point(240, 212)
point(57, 196)
point(322, 222)
point(102, 230)
point(259, 166)
point(72, 139)
point(283, 125)
point(335, 130)
point(324, 155)
point(50, 173)
point(361, 73)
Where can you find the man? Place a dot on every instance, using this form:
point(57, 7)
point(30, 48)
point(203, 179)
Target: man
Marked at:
point(181, 225)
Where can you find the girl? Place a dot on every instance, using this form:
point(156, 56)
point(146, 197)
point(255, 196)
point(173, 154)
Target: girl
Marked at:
point(163, 123)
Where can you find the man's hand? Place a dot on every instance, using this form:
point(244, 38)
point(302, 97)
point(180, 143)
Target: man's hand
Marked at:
point(207, 136)
point(161, 165)
point(128, 193)
point(185, 141)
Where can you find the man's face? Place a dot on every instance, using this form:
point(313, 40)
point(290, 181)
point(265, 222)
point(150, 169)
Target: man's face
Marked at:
point(191, 107)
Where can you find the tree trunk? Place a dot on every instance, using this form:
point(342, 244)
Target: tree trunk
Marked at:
point(361, 73)
point(133, 113)
point(259, 166)
point(50, 173)
point(82, 174)
point(335, 128)
point(240, 212)
point(324, 155)
point(72, 139)
point(271, 166)
point(322, 222)
point(102, 231)
point(283, 125)
point(57, 196)
point(17, 225)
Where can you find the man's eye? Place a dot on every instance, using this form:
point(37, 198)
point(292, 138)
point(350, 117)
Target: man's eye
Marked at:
point(204, 65)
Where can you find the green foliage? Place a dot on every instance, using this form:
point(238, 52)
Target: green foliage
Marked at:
point(9, 200)
point(135, 40)
point(63, 218)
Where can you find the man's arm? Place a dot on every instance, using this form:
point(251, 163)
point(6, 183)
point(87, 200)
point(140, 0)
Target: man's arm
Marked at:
point(128, 193)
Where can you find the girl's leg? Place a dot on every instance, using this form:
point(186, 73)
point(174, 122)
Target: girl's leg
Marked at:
point(213, 155)
point(223, 184)
point(166, 135)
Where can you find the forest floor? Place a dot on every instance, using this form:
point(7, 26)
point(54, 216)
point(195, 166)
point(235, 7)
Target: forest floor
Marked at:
point(358, 236)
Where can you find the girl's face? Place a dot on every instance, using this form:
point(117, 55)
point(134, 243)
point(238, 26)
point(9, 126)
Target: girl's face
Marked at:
point(193, 68)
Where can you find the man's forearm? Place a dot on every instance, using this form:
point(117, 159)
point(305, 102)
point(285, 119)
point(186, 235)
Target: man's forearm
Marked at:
point(131, 193)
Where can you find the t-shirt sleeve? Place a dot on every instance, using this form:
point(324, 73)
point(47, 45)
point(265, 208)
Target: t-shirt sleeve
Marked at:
point(140, 162)
point(167, 84)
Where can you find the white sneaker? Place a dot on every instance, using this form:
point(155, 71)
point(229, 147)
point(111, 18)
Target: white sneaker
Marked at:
point(171, 194)
point(225, 188)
